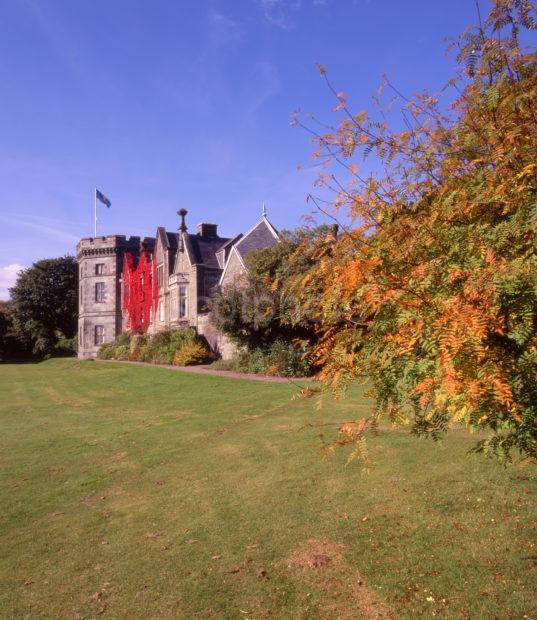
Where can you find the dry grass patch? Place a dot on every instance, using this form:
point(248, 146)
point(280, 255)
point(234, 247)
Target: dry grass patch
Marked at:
point(320, 564)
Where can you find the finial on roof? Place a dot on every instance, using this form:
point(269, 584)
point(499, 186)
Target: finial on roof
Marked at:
point(181, 213)
point(264, 212)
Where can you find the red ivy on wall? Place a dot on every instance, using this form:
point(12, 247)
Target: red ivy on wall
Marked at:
point(140, 290)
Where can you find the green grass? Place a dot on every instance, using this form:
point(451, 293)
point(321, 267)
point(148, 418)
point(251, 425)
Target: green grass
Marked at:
point(135, 492)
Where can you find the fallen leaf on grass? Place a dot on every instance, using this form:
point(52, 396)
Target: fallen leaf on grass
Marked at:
point(152, 535)
point(28, 582)
point(191, 541)
point(216, 557)
point(57, 514)
point(96, 596)
point(261, 573)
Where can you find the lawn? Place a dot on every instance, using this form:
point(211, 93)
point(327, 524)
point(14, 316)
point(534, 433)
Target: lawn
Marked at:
point(135, 492)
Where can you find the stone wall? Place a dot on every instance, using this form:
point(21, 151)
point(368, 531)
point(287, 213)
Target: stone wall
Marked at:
point(218, 342)
point(100, 263)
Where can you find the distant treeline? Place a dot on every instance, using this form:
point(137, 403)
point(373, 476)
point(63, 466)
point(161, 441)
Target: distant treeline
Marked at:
point(40, 320)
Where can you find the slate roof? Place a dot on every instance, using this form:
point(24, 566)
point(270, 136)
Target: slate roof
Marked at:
point(202, 250)
point(172, 239)
point(262, 235)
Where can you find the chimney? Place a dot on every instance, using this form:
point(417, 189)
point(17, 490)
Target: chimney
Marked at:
point(207, 230)
point(182, 226)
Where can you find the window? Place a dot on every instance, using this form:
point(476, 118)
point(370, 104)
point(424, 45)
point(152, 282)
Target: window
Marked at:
point(81, 300)
point(182, 302)
point(99, 269)
point(160, 275)
point(160, 311)
point(99, 334)
point(99, 291)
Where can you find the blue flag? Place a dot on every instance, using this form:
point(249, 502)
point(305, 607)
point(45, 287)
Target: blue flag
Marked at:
point(100, 196)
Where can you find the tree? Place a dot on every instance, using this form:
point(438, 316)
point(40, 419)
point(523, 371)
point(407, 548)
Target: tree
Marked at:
point(44, 300)
point(10, 347)
point(258, 310)
point(439, 261)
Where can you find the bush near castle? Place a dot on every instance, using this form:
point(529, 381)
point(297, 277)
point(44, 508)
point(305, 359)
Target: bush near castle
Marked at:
point(181, 347)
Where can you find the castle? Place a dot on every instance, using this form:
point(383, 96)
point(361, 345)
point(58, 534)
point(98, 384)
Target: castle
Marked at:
point(162, 282)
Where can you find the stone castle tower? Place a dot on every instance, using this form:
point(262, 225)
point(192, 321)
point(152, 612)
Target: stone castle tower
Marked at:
point(100, 262)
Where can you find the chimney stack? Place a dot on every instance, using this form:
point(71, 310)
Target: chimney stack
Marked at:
point(209, 231)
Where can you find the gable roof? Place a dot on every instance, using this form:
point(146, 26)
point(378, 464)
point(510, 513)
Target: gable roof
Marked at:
point(262, 235)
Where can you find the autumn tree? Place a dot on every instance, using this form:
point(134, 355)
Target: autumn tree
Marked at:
point(432, 288)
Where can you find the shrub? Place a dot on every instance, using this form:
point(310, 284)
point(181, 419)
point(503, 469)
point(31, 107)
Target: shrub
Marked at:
point(159, 348)
point(107, 351)
point(287, 360)
point(224, 365)
point(283, 359)
point(124, 338)
point(136, 345)
point(156, 347)
point(191, 353)
point(122, 352)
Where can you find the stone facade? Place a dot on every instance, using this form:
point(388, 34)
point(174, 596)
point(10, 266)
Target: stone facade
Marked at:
point(100, 263)
point(159, 283)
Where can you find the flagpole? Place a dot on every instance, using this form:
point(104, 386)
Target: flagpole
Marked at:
point(95, 212)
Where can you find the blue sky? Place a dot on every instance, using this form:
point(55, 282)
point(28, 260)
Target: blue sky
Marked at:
point(185, 103)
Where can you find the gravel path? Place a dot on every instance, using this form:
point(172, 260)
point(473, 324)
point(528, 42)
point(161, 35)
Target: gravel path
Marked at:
point(207, 370)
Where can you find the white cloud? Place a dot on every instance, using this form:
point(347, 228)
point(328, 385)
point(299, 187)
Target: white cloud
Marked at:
point(8, 275)
point(278, 12)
